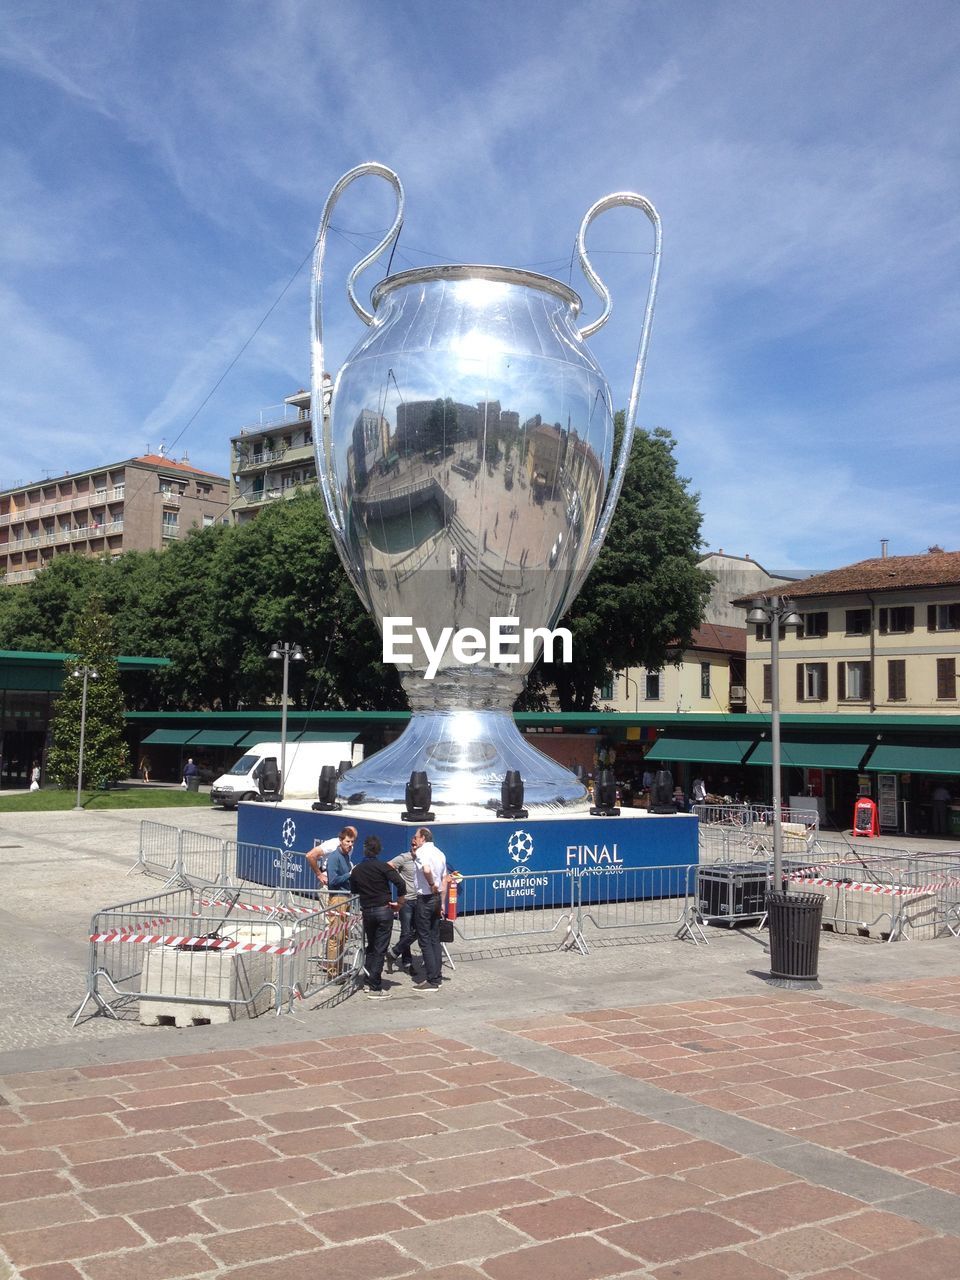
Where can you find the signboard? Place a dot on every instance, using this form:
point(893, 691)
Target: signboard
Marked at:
point(524, 856)
point(887, 800)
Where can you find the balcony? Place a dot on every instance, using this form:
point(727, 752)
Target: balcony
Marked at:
point(244, 461)
point(170, 499)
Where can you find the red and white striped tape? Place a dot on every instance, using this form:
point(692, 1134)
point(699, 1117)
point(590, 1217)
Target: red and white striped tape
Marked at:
point(210, 944)
point(887, 890)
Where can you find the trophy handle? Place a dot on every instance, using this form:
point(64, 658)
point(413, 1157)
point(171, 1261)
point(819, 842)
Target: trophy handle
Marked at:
point(634, 201)
point(321, 420)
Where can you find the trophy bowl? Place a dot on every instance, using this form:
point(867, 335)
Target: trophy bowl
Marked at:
point(465, 466)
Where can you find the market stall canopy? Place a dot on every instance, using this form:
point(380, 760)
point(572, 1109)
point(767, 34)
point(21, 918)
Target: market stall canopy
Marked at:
point(891, 758)
point(699, 750)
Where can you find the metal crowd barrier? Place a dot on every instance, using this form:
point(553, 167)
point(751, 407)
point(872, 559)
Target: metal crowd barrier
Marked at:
point(206, 954)
point(182, 857)
point(499, 907)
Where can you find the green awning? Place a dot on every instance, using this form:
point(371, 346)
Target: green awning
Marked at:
point(168, 737)
point(699, 750)
point(889, 758)
point(259, 735)
point(216, 738)
point(813, 755)
point(310, 736)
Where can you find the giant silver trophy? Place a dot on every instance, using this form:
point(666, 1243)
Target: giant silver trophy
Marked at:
point(465, 468)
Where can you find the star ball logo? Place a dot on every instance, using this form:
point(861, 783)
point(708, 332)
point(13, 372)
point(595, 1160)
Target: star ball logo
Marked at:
point(520, 847)
point(289, 833)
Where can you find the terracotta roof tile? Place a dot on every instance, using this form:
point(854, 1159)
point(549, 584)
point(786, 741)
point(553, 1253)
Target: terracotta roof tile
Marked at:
point(884, 573)
point(722, 639)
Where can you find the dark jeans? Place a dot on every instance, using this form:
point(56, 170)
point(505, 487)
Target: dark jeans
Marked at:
point(377, 927)
point(426, 918)
point(401, 948)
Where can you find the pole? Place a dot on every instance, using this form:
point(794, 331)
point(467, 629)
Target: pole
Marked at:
point(775, 612)
point(83, 727)
point(283, 719)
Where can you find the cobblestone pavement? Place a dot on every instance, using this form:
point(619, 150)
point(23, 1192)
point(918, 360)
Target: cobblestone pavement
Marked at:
point(654, 1111)
point(750, 1137)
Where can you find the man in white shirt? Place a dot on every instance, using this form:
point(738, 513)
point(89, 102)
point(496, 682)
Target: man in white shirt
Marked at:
point(429, 870)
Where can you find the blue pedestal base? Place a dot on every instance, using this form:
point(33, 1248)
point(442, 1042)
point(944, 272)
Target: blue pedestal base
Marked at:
point(593, 849)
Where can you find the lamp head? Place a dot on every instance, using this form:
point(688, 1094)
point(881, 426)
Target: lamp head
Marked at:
point(275, 650)
point(758, 612)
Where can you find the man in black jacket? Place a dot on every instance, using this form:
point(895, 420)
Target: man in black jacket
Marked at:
point(370, 880)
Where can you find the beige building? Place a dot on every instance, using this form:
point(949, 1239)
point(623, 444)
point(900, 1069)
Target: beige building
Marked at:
point(708, 679)
point(272, 460)
point(138, 505)
point(882, 635)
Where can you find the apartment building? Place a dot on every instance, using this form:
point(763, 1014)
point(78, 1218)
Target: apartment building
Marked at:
point(140, 504)
point(274, 458)
point(709, 678)
point(882, 635)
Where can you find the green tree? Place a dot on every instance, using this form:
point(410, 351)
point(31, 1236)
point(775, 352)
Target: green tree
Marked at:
point(43, 614)
point(104, 752)
point(646, 594)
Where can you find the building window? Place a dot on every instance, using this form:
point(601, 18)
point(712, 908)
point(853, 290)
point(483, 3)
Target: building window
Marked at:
point(943, 617)
point(853, 681)
point(763, 631)
point(947, 679)
point(858, 622)
point(653, 686)
point(704, 679)
point(815, 624)
point(897, 621)
point(171, 524)
point(767, 682)
point(606, 691)
point(896, 680)
point(207, 521)
point(811, 681)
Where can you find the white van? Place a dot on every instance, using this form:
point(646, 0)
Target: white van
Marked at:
point(304, 762)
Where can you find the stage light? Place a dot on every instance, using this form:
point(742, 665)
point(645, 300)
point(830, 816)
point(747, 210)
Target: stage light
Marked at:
point(326, 800)
point(511, 796)
point(605, 796)
point(418, 795)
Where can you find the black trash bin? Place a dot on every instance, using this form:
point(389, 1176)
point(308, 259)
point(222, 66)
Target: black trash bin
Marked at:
point(193, 784)
point(794, 923)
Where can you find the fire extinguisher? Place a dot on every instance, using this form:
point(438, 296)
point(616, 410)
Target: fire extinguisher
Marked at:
point(452, 898)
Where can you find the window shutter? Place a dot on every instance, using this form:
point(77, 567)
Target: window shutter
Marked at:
point(955, 617)
point(766, 683)
point(947, 678)
point(800, 675)
point(841, 681)
point(909, 619)
point(825, 681)
point(931, 617)
point(883, 613)
point(867, 680)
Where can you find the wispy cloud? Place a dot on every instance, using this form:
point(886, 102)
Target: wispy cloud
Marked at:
point(166, 167)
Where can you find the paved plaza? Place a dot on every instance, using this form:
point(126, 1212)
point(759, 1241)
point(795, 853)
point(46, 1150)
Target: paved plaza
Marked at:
point(652, 1109)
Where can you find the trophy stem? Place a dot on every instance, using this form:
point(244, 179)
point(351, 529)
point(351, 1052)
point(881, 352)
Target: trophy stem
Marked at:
point(465, 754)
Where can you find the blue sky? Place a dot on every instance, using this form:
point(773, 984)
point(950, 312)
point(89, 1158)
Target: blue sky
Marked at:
point(164, 167)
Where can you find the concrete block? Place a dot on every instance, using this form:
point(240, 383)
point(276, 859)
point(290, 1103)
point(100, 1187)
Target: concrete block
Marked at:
point(185, 988)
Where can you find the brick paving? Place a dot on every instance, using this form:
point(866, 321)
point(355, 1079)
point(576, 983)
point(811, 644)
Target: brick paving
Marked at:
point(577, 1146)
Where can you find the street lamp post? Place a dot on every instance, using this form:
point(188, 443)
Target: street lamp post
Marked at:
point(627, 681)
point(778, 612)
point(87, 673)
point(289, 653)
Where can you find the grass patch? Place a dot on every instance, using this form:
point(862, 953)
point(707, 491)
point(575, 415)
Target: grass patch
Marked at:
point(48, 800)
